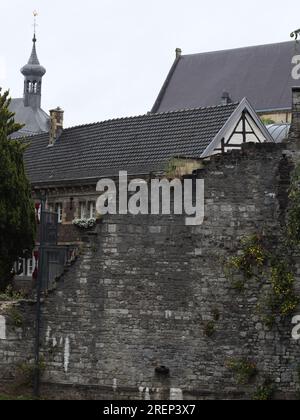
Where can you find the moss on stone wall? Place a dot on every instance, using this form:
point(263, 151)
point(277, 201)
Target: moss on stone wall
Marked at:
point(271, 267)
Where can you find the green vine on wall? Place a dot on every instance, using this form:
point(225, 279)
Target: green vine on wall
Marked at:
point(256, 261)
point(293, 217)
point(10, 295)
point(244, 370)
point(209, 329)
point(284, 298)
point(265, 392)
point(16, 317)
point(26, 371)
point(250, 262)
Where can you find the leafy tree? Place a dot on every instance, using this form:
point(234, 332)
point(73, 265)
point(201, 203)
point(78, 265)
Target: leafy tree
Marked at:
point(17, 219)
point(267, 121)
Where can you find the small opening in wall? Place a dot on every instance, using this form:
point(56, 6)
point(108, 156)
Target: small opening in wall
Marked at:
point(162, 370)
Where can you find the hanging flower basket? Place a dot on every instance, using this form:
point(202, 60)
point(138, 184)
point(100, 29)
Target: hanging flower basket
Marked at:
point(85, 223)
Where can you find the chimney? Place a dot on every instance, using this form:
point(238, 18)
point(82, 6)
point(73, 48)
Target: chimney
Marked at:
point(178, 52)
point(295, 126)
point(225, 98)
point(56, 124)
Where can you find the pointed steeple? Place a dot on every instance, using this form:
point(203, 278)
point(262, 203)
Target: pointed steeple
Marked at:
point(33, 59)
point(33, 73)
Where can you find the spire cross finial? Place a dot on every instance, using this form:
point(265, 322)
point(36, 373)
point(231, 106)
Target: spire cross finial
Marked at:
point(35, 14)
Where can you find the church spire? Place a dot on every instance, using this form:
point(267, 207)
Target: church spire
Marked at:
point(33, 73)
point(33, 59)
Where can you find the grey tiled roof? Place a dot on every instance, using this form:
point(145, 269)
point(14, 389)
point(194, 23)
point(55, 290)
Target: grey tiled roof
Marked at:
point(139, 145)
point(262, 74)
point(36, 120)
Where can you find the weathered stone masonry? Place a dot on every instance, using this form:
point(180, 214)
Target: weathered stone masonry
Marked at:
point(142, 292)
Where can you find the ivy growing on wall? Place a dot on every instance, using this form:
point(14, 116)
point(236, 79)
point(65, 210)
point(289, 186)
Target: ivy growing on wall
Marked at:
point(10, 295)
point(257, 261)
point(26, 372)
point(249, 262)
point(16, 317)
point(265, 392)
point(243, 369)
point(293, 217)
point(271, 265)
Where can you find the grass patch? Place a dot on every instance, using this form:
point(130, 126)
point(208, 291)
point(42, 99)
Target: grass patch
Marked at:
point(4, 397)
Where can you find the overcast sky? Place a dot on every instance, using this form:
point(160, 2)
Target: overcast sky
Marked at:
point(109, 58)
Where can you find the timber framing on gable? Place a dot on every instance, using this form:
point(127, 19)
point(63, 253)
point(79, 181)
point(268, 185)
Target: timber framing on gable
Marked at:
point(244, 126)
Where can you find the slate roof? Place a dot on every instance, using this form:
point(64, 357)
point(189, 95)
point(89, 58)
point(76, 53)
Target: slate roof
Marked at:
point(261, 73)
point(139, 145)
point(36, 120)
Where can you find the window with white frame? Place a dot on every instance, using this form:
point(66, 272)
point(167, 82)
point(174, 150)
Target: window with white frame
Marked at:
point(82, 210)
point(37, 209)
point(59, 211)
point(50, 207)
point(19, 267)
point(92, 209)
point(30, 266)
point(56, 208)
point(25, 267)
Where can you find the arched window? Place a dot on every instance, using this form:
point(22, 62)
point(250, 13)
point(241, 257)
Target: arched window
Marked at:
point(29, 86)
point(33, 87)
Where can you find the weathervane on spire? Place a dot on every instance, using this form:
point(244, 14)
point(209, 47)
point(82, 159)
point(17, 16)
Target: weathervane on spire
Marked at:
point(35, 14)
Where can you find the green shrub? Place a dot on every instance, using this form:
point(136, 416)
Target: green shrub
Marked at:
point(15, 316)
point(243, 369)
point(209, 329)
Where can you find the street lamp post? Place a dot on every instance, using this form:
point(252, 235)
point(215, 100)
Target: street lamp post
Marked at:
point(36, 385)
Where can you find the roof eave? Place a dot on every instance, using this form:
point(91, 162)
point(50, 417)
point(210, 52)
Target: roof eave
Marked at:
point(81, 181)
point(273, 110)
point(162, 92)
